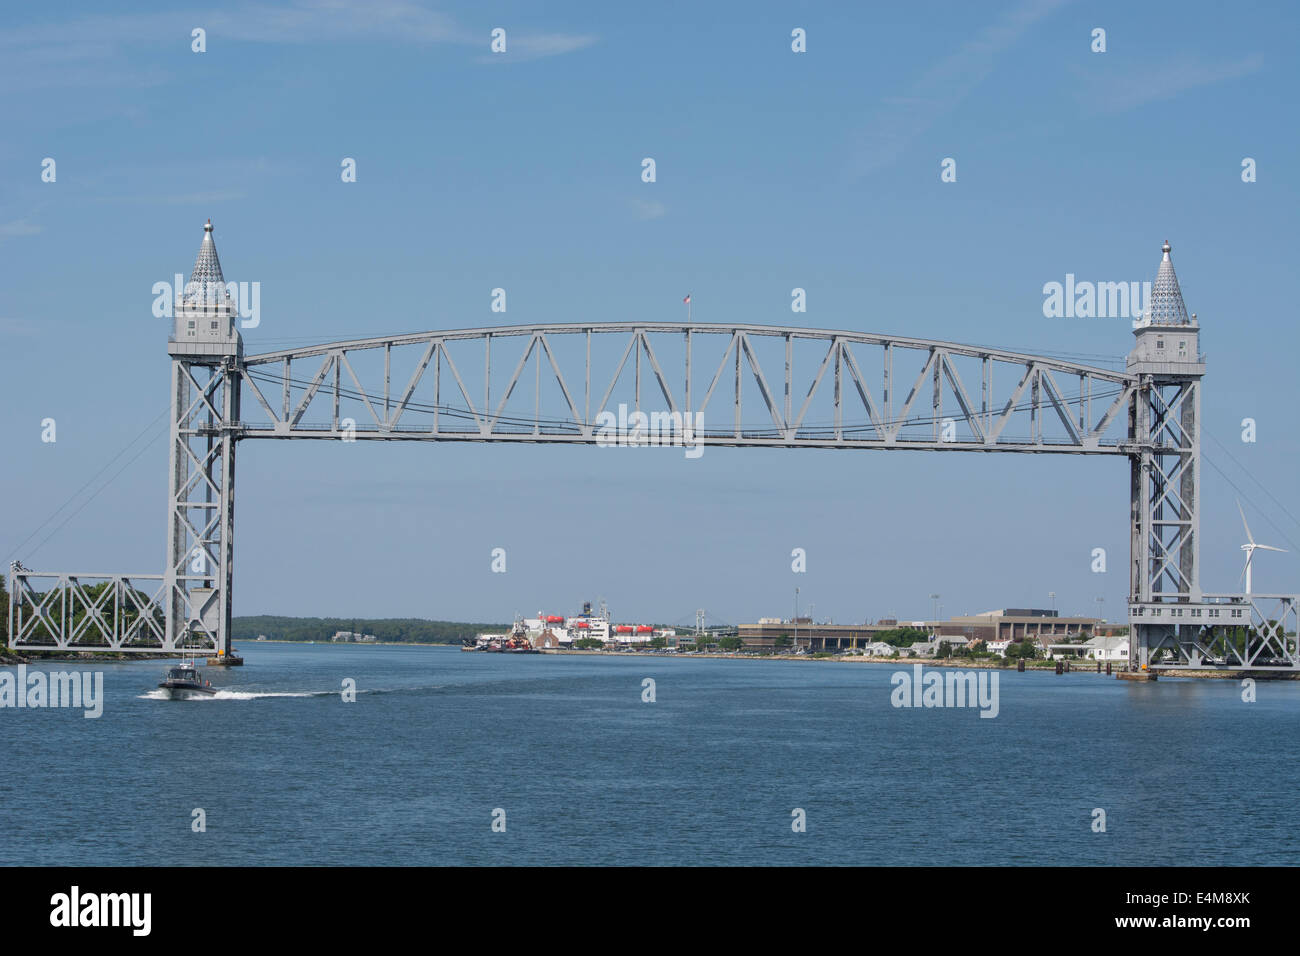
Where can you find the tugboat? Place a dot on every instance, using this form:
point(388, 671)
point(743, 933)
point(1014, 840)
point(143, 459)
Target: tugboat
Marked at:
point(182, 682)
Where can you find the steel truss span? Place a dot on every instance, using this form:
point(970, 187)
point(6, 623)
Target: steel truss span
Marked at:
point(110, 612)
point(692, 384)
point(1244, 632)
point(744, 385)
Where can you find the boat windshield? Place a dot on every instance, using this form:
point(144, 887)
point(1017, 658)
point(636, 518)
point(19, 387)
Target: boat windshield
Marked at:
point(181, 673)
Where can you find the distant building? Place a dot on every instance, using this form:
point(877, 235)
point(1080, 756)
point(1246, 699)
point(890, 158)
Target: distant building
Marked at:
point(803, 633)
point(546, 640)
point(1057, 652)
point(1108, 648)
point(995, 629)
point(344, 637)
point(1015, 624)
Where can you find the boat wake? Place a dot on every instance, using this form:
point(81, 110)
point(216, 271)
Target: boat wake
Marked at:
point(240, 695)
point(159, 694)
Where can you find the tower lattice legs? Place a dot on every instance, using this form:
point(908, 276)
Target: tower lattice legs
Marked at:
point(200, 539)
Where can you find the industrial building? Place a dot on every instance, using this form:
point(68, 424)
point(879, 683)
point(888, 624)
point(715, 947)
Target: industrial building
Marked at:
point(1015, 624)
point(802, 632)
point(1006, 624)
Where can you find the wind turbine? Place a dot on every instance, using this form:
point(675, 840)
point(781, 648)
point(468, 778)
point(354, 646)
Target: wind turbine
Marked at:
point(1250, 547)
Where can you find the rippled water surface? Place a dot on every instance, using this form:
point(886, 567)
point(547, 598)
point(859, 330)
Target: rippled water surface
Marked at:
point(411, 772)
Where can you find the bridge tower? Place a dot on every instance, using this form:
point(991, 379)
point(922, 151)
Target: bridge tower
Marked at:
point(207, 355)
point(1165, 431)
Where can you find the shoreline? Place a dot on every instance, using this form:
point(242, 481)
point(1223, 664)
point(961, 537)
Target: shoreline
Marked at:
point(9, 659)
point(957, 663)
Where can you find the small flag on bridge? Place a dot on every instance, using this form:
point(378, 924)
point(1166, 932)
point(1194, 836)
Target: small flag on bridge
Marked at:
point(687, 300)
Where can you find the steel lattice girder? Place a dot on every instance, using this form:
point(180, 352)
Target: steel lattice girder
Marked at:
point(1165, 425)
point(125, 615)
point(877, 420)
point(1262, 640)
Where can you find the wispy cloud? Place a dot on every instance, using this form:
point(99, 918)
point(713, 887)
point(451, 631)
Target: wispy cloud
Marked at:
point(313, 21)
point(648, 208)
point(1114, 92)
point(94, 50)
point(553, 44)
point(535, 47)
point(902, 118)
point(18, 227)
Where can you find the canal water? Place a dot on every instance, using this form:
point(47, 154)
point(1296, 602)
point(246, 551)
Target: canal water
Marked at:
point(415, 770)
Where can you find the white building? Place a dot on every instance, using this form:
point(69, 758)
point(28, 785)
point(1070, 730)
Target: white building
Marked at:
point(1107, 648)
point(920, 649)
point(999, 647)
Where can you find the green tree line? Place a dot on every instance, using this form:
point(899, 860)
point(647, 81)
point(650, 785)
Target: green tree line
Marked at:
point(409, 630)
point(902, 636)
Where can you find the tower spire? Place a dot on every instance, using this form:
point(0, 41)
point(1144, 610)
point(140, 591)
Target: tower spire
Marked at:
point(206, 285)
point(1166, 306)
point(207, 310)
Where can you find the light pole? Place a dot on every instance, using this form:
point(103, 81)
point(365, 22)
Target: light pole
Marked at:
point(1052, 595)
point(796, 619)
point(935, 599)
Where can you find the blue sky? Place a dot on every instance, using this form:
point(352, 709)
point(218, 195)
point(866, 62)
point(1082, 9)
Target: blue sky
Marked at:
point(774, 170)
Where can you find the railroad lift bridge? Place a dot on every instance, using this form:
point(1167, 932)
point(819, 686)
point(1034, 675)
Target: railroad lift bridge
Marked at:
point(1149, 413)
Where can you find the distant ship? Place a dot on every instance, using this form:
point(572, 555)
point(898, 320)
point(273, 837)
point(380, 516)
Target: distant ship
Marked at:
point(512, 643)
point(555, 631)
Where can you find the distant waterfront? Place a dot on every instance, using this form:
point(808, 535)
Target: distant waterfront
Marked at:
point(959, 663)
